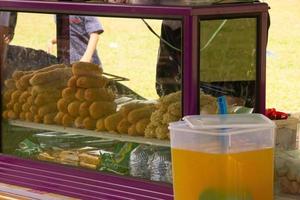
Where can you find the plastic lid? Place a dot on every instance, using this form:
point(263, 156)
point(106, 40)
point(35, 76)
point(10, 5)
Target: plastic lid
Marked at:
point(228, 121)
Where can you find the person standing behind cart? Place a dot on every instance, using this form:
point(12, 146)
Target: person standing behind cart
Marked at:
point(168, 67)
point(8, 22)
point(84, 37)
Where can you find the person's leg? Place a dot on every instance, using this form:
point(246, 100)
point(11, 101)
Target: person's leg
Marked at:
point(3, 49)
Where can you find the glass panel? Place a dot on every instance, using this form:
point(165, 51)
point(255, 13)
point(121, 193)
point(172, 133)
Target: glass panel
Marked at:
point(228, 62)
point(109, 112)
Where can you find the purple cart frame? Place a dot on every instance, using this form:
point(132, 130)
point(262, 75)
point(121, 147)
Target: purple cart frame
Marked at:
point(85, 184)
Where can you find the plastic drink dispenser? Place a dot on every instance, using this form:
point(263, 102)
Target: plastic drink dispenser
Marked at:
point(223, 157)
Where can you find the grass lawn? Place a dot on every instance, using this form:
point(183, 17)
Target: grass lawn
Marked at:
point(128, 49)
point(283, 64)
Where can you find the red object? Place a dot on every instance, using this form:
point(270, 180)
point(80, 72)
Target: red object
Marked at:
point(275, 115)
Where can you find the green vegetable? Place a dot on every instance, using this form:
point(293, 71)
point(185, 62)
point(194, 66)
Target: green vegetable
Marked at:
point(27, 149)
point(118, 161)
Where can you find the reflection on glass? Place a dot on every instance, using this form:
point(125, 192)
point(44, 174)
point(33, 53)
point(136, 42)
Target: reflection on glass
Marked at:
point(135, 93)
point(228, 59)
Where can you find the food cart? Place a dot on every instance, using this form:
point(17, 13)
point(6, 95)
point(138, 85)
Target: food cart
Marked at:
point(116, 146)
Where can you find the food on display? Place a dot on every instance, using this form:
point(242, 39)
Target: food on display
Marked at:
point(72, 82)
point(122, 127)
point(86, 69)
point(91, 82)
point(89, 159)
point(78, 102)
point(139, 161)
point(68, 149)
point(52, 76)
point(48, 108)
point(84, 109)
point(89, 123)
point(37, 119)
point(67, 120)
point(34, 109)
point(69, 93)
point(126, 119)
point(125, 109)
point(59, 117)
point(23, 97)
point(160, 166)
point(79, 96)
point(98, 94)
point(45, 156)
point(12, 115)
point(152, 163)
point(123, 158)
point(35, 93)
point(99, 109)
point(132, 130)
point(208, 104)
point(111, 122)
point(141, 125)
point(24, 81)
point(158, 126)
point(141, 113)
point(73, 108)
point(49, 118)
point(15, 95)
point(29, 116)
point(62, 105)
point(18, 74)
point(7, 95)
point(118, 160)
point(10, 84)
point(100, 125)
point(287, 168)
point(79, 122)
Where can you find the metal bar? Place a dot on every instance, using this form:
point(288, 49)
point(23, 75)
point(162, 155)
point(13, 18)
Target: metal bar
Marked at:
point(224, 9)
point(88, 184)
point(262, 34)
point(75, 177)
point(190, 65)
point(85, 8)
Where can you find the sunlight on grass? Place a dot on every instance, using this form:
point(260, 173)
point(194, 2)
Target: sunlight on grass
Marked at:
point(283, 66)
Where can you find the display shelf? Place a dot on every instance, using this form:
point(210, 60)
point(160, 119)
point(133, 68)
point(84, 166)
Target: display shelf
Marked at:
point(106, 135)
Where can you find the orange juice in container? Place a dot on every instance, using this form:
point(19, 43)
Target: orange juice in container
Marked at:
point(223, 157)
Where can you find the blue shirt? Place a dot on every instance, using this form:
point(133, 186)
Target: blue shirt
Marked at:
point(80, 29)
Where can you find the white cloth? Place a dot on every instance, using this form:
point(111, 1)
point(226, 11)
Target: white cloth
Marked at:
point(4, 18)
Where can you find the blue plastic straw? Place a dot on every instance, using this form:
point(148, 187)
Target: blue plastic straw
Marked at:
point(222, 104)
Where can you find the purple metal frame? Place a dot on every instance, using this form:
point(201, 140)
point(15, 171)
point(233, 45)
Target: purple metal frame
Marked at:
point(90, 185)
point(78, 183)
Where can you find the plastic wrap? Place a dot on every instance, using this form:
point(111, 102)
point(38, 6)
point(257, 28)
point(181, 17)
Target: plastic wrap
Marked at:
point(118, 161)
point(287, 170)
point(160, 167)
point(138, 163)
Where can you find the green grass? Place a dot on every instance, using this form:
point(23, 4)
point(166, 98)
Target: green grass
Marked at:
point(128, 49)
point(283, 69)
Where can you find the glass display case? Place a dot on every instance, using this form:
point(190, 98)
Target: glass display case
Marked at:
point(97, 127)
